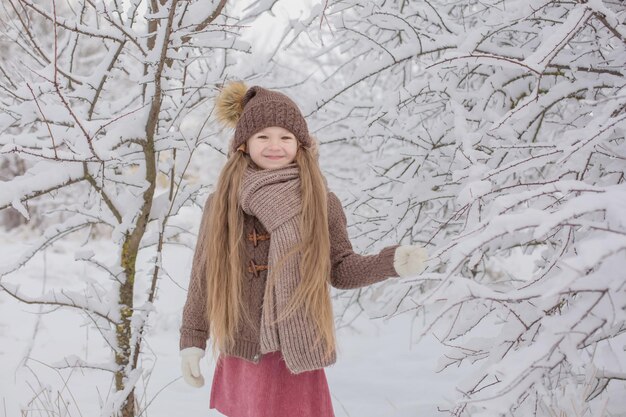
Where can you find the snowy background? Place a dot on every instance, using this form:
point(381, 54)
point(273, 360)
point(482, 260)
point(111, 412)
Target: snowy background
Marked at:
point(492, 133)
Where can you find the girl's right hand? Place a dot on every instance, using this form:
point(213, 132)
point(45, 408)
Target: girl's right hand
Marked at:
point(190, 366)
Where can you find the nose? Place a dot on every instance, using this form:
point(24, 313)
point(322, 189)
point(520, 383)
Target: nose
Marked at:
point(274, 142)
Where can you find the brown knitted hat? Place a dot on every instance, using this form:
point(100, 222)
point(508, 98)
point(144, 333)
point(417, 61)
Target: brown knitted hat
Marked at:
point(252, 109)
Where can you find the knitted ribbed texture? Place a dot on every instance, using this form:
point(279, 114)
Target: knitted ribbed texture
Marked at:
point(348, 270)
point(264, 108)
point(255, 191)
point(280, 216)
point(271, 195)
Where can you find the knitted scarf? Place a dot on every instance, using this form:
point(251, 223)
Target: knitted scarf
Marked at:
point(273, 196)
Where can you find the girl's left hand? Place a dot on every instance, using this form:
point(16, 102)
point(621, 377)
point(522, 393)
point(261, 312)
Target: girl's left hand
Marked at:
point(409, 260)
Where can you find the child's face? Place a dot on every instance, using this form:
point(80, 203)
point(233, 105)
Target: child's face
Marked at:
point(272, 147)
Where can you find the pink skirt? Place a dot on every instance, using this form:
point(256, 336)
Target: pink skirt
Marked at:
point(267, 389)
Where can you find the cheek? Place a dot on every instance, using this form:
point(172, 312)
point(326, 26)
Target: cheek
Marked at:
point(253, 148)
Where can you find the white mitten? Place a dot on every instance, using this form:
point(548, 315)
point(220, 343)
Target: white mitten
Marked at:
point(409, 260)
point(190, 366)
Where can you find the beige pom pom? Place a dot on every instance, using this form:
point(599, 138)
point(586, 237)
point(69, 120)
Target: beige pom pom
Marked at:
point(229, 103)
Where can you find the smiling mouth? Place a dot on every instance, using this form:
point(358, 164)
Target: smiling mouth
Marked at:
point(273, 157)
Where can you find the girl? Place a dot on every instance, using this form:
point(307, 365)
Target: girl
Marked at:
point(272, 240)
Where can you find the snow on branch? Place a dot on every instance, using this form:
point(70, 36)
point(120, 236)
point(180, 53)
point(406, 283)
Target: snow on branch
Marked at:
point(40, 179)
point(100, 109)
point(499, 143)
point(65, 298)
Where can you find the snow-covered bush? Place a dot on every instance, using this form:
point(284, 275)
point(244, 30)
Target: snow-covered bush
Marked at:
point(94, 96)
point(496, 130)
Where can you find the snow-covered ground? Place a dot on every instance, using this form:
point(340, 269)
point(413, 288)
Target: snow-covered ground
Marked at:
point(379, 371)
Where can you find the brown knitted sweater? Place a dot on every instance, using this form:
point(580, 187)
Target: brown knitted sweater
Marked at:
point(349, 270)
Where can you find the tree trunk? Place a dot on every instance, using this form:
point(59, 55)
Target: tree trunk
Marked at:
point(123, 330)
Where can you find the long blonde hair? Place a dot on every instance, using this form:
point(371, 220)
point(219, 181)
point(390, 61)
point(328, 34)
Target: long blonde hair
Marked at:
point(225, 254)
